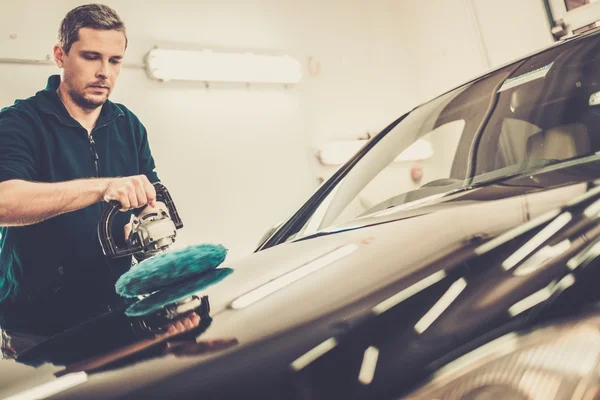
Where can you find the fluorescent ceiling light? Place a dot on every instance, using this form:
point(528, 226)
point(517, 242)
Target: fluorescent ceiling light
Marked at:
point(211, 66)
point(338, 152)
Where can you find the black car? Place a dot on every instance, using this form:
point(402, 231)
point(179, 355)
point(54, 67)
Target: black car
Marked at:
point(478, 279)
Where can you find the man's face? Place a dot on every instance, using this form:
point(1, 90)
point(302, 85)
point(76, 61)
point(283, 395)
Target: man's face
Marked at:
point(91, 67)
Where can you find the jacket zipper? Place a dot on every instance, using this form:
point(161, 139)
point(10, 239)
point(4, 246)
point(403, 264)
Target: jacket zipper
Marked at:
point(93, 147)
point(94, 154)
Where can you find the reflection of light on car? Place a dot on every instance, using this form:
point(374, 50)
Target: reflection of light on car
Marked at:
point(369, 363)
point(537, 240)
point(408, 205)
point(588, 254)
point(442, 304)
point(582, 362)
point(50, 388)
point(542, 385)
point(534, 262)
point(313, 354)
point(513, 233)
point(537, 366)
point(541, 295)
point(527, 77)
point(594, 99)
point(291, 277)
point(408, 292)
point(592, 210)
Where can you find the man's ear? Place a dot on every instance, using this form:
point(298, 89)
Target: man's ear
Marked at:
point(59, 54)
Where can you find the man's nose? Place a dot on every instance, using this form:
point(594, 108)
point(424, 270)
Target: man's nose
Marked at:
point(104, 70)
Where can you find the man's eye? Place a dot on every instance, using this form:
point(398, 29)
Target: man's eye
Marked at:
point(90, 57)
point(115, 61)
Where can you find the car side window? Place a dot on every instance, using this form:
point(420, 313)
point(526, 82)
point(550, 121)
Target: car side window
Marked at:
point(514, 138)
point(545, 113)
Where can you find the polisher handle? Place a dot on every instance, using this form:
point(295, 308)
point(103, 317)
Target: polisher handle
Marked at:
point(107, 242)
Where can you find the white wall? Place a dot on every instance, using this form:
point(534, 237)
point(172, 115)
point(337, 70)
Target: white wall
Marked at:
point(449, 42)
point(459, 39)
point(240, 159)
point(511, 28)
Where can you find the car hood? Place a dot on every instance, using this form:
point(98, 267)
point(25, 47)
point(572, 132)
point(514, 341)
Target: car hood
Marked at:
point(385, 250)
point(311, 279)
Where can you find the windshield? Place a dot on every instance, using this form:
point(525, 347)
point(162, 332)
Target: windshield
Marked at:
point(539, 111)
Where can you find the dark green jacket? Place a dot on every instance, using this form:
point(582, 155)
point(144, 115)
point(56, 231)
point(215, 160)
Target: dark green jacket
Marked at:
point(53, 274)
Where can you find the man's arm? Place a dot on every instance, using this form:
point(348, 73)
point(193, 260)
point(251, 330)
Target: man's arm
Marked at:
point(25, 203)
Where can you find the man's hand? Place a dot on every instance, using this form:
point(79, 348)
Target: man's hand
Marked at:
point(159, 205)
point(184, 325)
point(131, 192)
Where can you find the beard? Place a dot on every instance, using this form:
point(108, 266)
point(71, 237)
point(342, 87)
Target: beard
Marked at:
point(86, 102)
point(78, 94)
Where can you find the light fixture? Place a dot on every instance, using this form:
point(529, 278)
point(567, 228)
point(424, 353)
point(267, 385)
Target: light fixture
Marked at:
point(212, 66)
point(338, 152)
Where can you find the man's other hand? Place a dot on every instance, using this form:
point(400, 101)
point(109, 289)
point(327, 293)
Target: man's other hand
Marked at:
point(132, 192)
point(183, 325)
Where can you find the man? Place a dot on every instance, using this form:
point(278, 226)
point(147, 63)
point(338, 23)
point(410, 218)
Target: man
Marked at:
point(63, 152)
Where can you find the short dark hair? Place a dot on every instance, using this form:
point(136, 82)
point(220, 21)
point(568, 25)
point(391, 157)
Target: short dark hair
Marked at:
point(95, 16)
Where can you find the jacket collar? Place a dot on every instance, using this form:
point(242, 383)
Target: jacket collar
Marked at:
point(50, 103)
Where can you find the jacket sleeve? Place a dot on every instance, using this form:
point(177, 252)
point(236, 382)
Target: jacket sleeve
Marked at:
point(146, 161)
point(146, 165)
point(17, 147)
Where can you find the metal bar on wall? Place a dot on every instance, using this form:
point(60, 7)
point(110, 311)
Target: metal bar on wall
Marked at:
point(25, 61)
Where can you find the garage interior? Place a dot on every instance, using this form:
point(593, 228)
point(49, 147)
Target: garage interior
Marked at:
point(240, 157)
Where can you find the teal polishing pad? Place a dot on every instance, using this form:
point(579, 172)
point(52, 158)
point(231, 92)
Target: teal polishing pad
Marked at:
point(168, 295)
point(168, 268)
